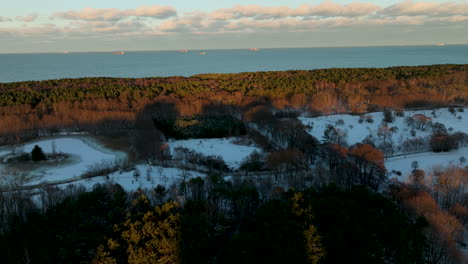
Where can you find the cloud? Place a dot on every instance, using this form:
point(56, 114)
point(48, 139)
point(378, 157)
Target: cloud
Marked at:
point(160, 12)
point(331, 9)
point(99, 28)
point(29, 18)
point(36, 30)
point(325, 9)
point(253, 11)
point(4, 19)
point(324, 16)
point(410, 8)
point(114, 14)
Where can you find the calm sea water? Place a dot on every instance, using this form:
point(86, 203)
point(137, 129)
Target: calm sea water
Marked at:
point(22, 67)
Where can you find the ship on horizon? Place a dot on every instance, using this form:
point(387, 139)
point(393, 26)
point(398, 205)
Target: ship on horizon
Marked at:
point(183, 51)
point(254, 49)
point(119, 53)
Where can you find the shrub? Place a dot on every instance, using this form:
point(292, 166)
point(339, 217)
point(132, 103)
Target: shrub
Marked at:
point(400, 112)
point(340, 122)
point(388, 117)
point(439, 128)
point(443, 143)
point(254, 162)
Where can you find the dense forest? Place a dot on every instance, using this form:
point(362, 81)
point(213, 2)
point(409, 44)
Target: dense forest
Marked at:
point(300, 200)
point(112, 105)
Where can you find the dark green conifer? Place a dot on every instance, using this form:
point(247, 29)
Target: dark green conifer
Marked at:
point(37, 154)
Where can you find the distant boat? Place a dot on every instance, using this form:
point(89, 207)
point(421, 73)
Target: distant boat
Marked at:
point(65, 52)
point(254, 49)
point(119, 53)
point(183, 51)
point(202, 53)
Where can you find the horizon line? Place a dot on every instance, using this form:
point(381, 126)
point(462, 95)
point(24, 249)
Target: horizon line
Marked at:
point(216, 49)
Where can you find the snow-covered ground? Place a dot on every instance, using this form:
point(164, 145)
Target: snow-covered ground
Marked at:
point(84, 152)
point(426, 161)
point(142, 177)
point(233, 154)
point(357, 132)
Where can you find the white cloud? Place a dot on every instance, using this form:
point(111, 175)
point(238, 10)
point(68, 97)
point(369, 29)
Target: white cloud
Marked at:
point(331, 9)
point(155, 11)
point(252, 11)
point(114, 14)
point(411, 8)
point(28, 18)
point(36, 30)
point(325, 9)
point(4, 19)
point(324, 16)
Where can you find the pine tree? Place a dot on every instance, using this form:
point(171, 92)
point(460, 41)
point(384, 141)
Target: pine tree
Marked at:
point(37, 154)
point(151, 237)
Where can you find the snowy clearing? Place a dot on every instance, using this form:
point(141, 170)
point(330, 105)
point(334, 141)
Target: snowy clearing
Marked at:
point(84, 153)
point(142, 177)
point(233, 154)
point(426, 161)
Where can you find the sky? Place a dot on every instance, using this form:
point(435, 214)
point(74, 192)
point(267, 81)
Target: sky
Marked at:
point(114, 25)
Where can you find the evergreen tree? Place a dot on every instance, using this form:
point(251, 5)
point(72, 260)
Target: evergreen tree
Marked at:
point(37, 154)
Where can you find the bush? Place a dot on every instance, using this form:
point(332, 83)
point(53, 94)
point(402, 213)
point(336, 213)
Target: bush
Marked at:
point(254, 162)
point(37, 154)
point(388, 117)
point(340, 122)
point(105, 167)
point(400, 112)
point(443, 143)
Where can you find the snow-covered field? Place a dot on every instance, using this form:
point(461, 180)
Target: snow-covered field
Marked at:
point(356, 132)
point(233, 154)
point(84, 152)
point(426, 161)
point(142, 177)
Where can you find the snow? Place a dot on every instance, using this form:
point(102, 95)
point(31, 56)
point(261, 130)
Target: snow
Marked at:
point(357, 132)
point(149, 177)
point(233, 154)
point(426, 161)
point(84, 152)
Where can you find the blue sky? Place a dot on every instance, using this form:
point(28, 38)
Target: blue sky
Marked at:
point(105, 25)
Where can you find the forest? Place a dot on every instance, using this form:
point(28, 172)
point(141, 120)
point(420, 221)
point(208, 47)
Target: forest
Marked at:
point(301, 199)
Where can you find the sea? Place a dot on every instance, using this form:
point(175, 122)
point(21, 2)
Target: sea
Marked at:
point(136, 64)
